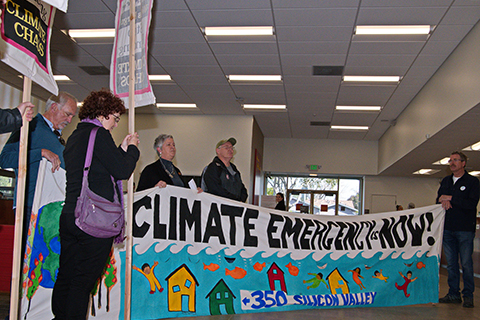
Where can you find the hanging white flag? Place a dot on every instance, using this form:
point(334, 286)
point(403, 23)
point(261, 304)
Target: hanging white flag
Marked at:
point(59, 4)
point(120, 65)
point(25, 45)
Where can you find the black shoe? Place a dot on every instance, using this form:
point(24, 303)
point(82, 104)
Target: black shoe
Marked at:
point(451, 299)
point(468, 302)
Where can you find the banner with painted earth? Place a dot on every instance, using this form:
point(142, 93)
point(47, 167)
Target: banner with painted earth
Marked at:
point(199, 254)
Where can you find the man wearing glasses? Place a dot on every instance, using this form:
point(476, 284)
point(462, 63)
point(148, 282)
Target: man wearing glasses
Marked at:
point(44, 141)
point(221, 177)
point(459, 194)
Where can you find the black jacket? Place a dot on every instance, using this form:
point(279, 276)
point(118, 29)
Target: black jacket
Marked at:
point(108, 160)
point(465, 194)
point(221, 183)
point(10, 120)
point(153, 173)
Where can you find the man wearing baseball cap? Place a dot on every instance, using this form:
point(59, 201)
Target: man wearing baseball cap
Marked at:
point(221, 177)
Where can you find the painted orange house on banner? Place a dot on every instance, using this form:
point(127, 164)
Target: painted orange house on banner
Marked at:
point(182, 290)
point(337, 281)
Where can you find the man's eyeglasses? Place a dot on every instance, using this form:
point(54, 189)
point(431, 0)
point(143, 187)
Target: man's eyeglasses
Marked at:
point(454, 160)
point(228, 147)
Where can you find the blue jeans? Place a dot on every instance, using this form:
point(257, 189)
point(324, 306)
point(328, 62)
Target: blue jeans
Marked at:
point(459, 244)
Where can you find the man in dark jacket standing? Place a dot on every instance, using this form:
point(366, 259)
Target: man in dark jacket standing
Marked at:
point(221, 177)
point(459, 194)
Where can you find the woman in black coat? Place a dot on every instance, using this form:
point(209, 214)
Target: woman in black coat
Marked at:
point(84, 256)
point(162, 172)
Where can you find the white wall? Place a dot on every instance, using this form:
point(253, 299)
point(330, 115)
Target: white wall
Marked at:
point(348, 157)
point(421, 191)
point(451, 92)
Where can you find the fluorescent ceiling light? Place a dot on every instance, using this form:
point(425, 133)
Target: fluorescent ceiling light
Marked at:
point(474, 173)
point(358, 108)
point(234, 77)
point(91, 33)
point(159, 77)
point(419, 29)
point(371, 78)
point(426, 171)
point(349, 128)
point(265, 106)
point(473, 147)
point(442, 162)
point(238, 31)
point(176, 105)
point(61, 77)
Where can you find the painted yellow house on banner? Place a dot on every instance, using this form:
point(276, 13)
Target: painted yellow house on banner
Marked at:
point(182, 289)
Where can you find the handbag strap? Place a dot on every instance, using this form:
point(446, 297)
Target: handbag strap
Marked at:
point(88, 157)
point(88, 160)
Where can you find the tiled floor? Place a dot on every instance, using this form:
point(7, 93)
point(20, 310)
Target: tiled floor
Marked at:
point(425, 311)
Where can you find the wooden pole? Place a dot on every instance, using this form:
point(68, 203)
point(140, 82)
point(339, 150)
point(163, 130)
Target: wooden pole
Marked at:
point(131, 129)
point(19, 212)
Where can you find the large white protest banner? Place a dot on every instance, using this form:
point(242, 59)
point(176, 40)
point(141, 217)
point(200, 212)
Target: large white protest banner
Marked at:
point(199, 254)
point(25, 40)
point(120, 65)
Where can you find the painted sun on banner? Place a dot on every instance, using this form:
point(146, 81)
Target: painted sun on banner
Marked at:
point(199, 254)
point(25, 46)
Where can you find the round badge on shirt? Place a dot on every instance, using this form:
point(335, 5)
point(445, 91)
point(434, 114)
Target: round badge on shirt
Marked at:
point(462, 188)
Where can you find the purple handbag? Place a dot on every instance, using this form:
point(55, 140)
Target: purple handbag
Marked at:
point(94, 214)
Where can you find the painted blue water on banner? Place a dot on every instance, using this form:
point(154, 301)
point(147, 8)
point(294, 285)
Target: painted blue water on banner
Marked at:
point(221, 283)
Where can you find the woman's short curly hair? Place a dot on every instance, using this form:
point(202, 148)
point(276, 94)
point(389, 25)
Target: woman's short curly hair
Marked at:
point(101, 103)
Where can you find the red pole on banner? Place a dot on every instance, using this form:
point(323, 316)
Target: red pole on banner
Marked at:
point(131, 129)
point(21, 182)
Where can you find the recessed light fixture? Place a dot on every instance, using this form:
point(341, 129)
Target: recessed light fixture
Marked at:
point(239, 31)
point(426, 171)
point(234, 77)
point(442, 162)
point(354, 128)
point(414, 29)
point(176, 105)
point(159, 77)
point(474, 173)
point(473, 147)
point(371, 78)
point(61, 77)
point(91, 33)
point(358, 108)
point(265, 106)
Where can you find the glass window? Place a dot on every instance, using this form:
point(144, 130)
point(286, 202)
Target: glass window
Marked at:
point(318, 195)
point(349, 196)
point(7, 184)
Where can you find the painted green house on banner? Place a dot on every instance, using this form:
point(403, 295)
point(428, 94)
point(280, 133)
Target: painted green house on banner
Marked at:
point(221, 295)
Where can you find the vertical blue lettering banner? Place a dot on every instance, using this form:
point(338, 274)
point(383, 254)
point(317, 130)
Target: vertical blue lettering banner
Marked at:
point(120, 64)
